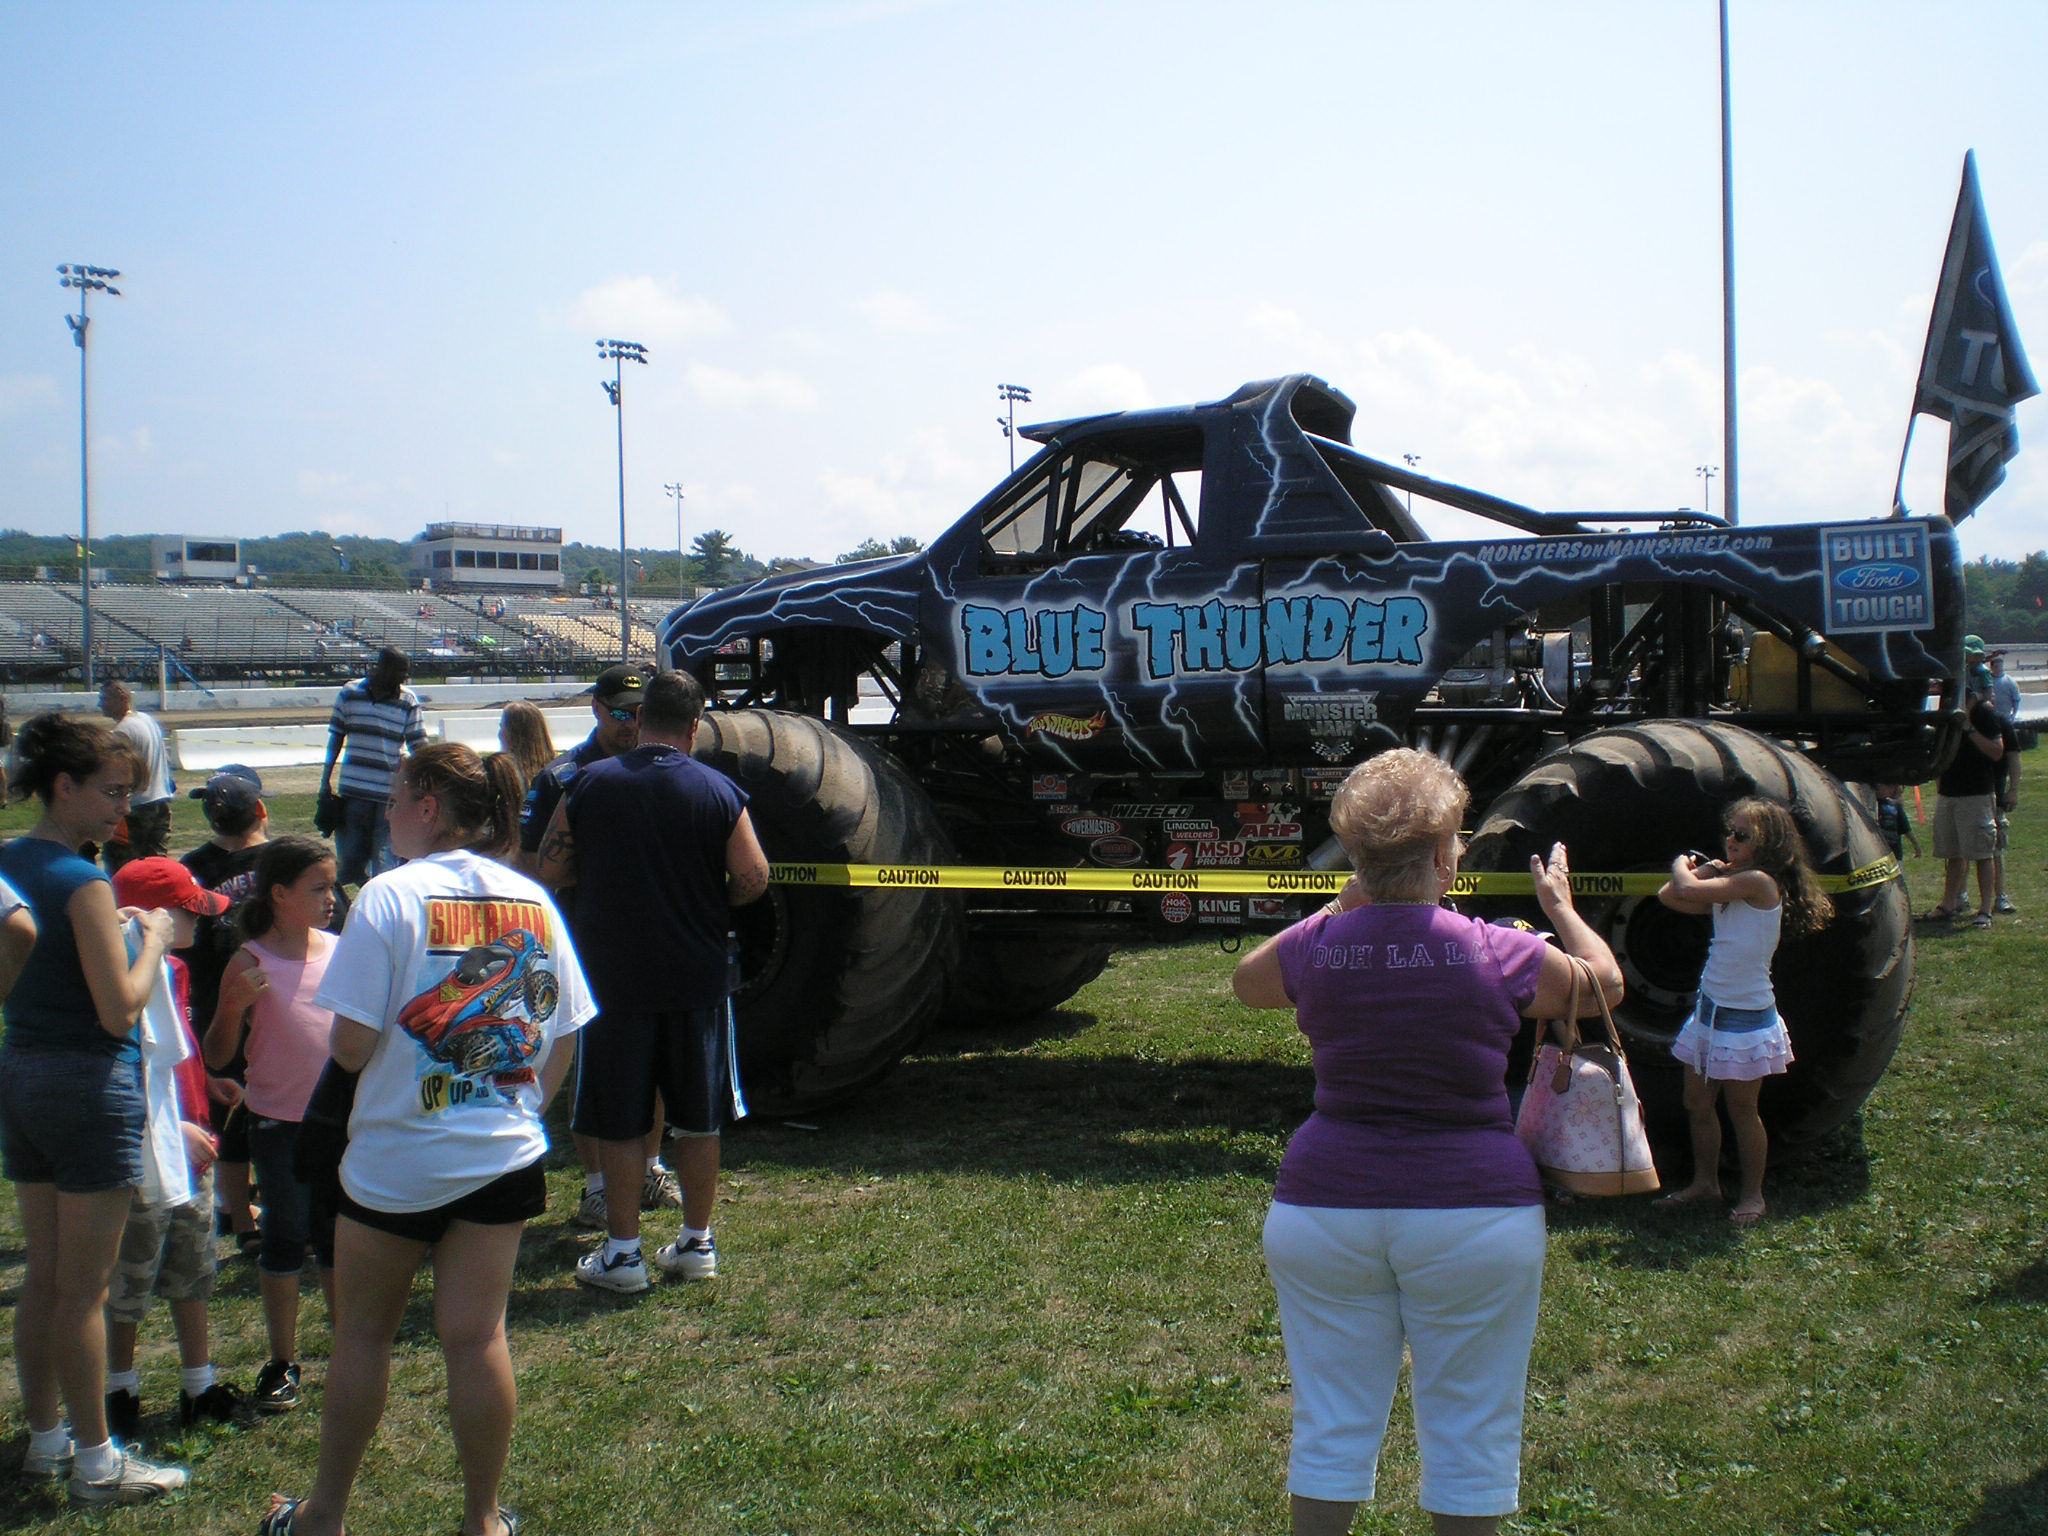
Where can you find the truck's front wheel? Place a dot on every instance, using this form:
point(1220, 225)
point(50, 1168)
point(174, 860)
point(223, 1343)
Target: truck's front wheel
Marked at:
point(836, 983)
point(1633, 799)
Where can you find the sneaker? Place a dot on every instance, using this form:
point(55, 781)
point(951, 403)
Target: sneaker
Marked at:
point(220, 1402)
point(627, 1273)
point(2005, 908)
point(124, 1413)
point(695, 1260)
point(277, 1387)
point(660, 1191)
point(47, 1466)
point(590, 1210)
point(135, 1481)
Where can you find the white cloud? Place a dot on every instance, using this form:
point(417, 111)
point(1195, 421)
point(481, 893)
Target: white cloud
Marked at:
point(21, 392)
point(1105, 387)
point(646, 310)
point(2029, 275)
point(771, 388)
point(898, 314)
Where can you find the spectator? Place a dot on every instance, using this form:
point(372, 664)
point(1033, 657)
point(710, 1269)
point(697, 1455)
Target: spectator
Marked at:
point(2005, 796)
point(446, 1142)
point(1406, 1208)
point(71, 1118)
point(167, 1250)
point(232, 801)
point(523, 732)
point(145, 833)
point(2005, 691)
point(678, 852)
point(376, 717)
point(1893, 824)
point(266, 1008)
point(1965, 818)
point(615, 701)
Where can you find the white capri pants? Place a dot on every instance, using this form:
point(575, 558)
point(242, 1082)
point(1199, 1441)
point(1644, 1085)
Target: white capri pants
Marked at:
point(1461, 1287)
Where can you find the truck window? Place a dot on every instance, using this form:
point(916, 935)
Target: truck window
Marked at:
point(1096, 501)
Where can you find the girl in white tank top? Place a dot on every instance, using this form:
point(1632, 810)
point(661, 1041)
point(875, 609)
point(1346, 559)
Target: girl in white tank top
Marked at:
point(1735, 1039)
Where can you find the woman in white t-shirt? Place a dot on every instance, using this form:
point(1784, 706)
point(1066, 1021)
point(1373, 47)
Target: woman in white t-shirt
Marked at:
point(453, 987)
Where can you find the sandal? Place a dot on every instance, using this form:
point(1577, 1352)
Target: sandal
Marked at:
point(1981, 920)
point(1940, 915)
point(279, 1521)
point(1742, 1218)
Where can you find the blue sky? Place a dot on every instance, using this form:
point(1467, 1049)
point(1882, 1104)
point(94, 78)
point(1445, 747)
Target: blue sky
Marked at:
point(368, 249)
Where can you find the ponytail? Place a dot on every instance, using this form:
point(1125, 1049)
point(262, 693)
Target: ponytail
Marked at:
point(480, 796)
point(51, 743)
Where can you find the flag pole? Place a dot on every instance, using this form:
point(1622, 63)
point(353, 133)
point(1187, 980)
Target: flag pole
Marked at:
point(1730, 480)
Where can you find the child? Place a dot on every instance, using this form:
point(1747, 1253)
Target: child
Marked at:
point(168, 1249)
point(1893, 824)
point(1735, 1038)
point(266, 1008)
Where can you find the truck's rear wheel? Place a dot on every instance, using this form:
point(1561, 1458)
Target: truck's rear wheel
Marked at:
point(1008, 980)
point(1632, 799)
point(836, 984)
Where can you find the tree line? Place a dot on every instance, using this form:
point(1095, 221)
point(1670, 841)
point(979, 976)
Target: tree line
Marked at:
point(351, 560)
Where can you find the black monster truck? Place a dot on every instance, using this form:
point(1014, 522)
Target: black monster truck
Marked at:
point(1163, 640)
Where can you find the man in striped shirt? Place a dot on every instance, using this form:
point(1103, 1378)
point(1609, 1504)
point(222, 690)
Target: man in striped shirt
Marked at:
point(375, 719)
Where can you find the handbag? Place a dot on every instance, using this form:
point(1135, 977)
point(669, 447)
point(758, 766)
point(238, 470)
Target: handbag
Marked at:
point(1580, 1117)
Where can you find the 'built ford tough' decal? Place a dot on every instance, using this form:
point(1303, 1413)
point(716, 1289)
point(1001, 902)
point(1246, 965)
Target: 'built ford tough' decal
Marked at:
point(1183, 639)
point(1878, 577)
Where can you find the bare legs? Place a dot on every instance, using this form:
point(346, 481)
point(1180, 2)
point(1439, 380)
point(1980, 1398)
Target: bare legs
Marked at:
point(60, 1330)
point(1752, 1145)
point(695, 1159)
point(472, 1277)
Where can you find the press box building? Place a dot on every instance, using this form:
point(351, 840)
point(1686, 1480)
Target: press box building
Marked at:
point(488, 555)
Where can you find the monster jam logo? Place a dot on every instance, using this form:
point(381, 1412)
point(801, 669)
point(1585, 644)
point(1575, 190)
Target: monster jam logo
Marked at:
point(1178, 639)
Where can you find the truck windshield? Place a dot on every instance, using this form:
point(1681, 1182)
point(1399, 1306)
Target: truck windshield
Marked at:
point(1097, 502)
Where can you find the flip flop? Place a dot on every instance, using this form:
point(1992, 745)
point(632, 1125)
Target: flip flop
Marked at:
point(1940, 915)
point(1684, 1198)
point(1741, 1218)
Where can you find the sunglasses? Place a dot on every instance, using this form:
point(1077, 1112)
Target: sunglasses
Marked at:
point(1740, 835)
point(623, 716)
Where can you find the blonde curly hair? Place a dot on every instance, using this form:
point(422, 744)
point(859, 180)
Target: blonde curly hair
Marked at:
point(1393, 813)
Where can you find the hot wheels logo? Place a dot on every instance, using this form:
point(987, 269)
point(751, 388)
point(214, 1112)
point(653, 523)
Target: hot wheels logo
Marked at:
point(1067, 727)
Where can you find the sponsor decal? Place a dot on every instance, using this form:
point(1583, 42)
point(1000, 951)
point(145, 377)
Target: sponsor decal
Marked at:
point(1333, 720)
point(1219, 909)
point(1234, 784)
point(1270, 831)
point(1176, 908)
point(1064, 808)
point(1115, 850)
point(1267, 906)
point(1216, 855)
point(1322, 783)
point(1879, 577)
point(1136, 810)
point(1315, 629)
point(1270, 854)
point(1067, 727)
point(1090, 826)
point(1192, 831)
point(1048, 786)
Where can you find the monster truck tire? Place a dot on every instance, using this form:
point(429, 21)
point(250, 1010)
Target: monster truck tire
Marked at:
point(1007, 980)
point(1634, 798)
point(836, 984)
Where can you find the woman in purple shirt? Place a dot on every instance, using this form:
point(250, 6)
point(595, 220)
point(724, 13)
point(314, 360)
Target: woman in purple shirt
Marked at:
point(1406, 1210)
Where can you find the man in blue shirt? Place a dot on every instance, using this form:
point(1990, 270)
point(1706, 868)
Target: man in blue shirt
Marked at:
point(659, 848)
point(375, 719)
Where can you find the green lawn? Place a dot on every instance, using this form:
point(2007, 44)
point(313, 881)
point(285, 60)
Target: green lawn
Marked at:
point(1018, 1288)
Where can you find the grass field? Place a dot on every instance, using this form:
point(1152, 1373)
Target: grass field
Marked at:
point(1017, 1288)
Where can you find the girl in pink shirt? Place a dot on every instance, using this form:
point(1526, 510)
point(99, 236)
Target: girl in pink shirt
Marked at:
point(266, 997)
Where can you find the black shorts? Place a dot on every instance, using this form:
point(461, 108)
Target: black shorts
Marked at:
point(513, 1197)
point(623, 1058)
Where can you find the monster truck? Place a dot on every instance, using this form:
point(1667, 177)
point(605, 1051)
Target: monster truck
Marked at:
point(1162, 641)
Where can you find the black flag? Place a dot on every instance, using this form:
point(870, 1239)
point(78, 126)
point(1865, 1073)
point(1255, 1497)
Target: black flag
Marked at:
point(1974, 371)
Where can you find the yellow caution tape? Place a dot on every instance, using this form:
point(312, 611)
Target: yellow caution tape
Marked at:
point(1237, 882)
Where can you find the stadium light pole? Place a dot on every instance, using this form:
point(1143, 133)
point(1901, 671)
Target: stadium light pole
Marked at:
point(86, 280)
point(1012, 395)
point(1706, 472)
point(618, 354)
point(1411, 460)
point(675, 489)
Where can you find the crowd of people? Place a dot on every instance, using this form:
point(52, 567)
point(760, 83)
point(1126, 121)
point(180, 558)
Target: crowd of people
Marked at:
point(361, 1081)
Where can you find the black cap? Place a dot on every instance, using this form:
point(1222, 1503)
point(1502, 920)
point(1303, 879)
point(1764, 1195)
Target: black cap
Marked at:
point(232, 788)
point(621, 687)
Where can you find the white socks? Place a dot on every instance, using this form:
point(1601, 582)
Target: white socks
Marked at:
point(96, 1463)
point(124, 1381)
point(197, 1379)
point(618, 1248)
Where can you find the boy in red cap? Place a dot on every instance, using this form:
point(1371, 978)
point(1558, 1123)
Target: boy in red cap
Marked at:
point(169, 1250)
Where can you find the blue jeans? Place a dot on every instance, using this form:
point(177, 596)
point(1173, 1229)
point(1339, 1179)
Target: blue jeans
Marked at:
point(362, 847)
point(71, 1118)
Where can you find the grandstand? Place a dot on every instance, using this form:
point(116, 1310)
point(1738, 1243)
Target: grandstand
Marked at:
point(277, 633)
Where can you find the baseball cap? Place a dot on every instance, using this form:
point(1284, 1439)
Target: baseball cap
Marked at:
point(1973, 645)
point(232, 788)
point(620, 687)
point(165, 883)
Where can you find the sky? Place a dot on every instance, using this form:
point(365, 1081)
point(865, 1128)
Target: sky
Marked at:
point(368, 249)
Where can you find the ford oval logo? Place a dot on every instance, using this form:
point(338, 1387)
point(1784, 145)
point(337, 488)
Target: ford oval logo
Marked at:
point(1878, 578)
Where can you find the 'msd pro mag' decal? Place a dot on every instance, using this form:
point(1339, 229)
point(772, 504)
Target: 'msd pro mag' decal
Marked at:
point(1182, 639)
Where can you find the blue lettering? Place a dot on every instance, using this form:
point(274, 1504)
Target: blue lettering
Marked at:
point(1022, 657)
point(987, 654)
point(1088, 626)
point(1407, 620)
point(1161, 622)
point(1056, 642)
point(1201, 637)
point(1241, 637)
point(1327, 622)
point(1286, 629)
point(1365, 630)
